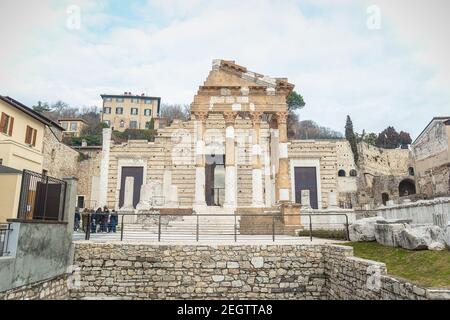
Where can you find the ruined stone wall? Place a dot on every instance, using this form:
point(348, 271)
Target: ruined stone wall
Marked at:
point(378, 161)
point(52, 289)
point(334, 155)
point(89, 175)
point(325, 152)
point(381, 171)
point(288, 271)
point(174, 151)
point(434, 181)
point(60, 160)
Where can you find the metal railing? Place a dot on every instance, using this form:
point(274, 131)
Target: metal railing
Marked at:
point(164, 227)
point(41, 197)
point(4, 237)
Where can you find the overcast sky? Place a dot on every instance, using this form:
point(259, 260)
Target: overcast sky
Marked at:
point(344, 58)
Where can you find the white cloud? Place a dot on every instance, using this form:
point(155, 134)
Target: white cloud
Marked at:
point(337, 64)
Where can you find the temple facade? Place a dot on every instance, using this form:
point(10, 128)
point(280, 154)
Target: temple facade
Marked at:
point(233, 153)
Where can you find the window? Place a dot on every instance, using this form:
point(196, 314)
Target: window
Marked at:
point(107, 110)
point(108, 99)
point(353, 173)
point(134, 100)
point(107, 122)
point(148, 112)
point(133, 124)
point(44, 172)
point(80, 202)
point(411, 171)
point(134, 111)
point(30, 136)
point(120, 99)
point(341, 173)
point(119, 110)
point(6, 124)
point(122, 123)
point(148, 101)
point(64, 125)
point(73, 126)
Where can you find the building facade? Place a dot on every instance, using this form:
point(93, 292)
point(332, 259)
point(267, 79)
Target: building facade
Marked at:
point(21, 136)
point(431, 153)
point(128, 111)
point(72, 126)
point(233, 153)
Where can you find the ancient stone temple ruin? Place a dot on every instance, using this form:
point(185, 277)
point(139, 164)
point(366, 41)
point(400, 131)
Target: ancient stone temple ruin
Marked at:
point(233, 153)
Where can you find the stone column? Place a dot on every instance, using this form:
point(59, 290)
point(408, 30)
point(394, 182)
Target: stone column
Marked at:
point(282, 180)
point(274, 158)
point(257, 186)
point(230, 161)
point(104, 169)
point(128, 194)
point(199, 201)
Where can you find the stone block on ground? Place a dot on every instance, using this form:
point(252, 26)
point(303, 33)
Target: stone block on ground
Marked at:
point(364, 229)
point(421, 237)
point(387, 232)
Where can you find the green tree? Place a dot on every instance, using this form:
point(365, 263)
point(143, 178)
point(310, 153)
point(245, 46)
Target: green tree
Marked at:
point(41, 107)
point(388, 138)
point(404, 139)
point(351, 137)
point(295, 102)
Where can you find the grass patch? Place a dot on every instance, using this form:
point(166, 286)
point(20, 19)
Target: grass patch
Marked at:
point(426, 268)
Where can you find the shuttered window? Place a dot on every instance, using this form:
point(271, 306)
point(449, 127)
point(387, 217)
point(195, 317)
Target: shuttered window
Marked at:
point(30, 136)
point(6, 124)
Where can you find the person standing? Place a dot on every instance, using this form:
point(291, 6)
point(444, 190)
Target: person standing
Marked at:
point(113, 221)
point(96, 217)
point(76, 225)
point(104, 219)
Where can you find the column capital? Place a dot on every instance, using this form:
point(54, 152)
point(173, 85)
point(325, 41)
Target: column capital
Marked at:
point(256, 117)
point(282, 117)
point(201, 116)
point(230, 117)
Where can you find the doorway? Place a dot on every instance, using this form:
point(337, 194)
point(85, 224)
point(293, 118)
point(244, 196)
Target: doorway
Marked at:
point(306, 179)
point(137, 173)
point(215, 180)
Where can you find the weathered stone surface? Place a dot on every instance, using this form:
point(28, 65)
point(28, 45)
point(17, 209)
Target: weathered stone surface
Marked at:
point(436, 246)
point(419, 238)
point(387, 234)
point(364, 229)
point(285, 272)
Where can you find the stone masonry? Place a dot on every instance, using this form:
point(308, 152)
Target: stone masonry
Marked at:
point(52, 289)
point(288, 271)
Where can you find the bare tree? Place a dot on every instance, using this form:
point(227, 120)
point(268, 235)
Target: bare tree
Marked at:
point(173, 112)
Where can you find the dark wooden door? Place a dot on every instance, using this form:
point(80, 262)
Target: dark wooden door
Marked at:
point(48, 200)
point(138, 174)
point(306, 179)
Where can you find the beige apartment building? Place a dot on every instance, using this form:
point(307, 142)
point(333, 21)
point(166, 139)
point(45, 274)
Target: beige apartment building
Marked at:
point(72, 126)
point(24, 135)
point(128, 111)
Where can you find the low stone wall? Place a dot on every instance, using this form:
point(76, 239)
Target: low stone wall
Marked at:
point(288, 271)
point(200, 272)
point(52, 289)
point(420, 212)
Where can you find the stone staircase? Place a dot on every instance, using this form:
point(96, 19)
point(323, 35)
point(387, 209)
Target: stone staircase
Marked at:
point(212, 221)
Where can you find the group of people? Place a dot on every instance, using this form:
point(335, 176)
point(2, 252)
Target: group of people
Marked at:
point(99, 221)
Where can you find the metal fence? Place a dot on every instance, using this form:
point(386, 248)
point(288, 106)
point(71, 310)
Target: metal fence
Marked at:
point(164, 227)
point(4, 236)
point(41, 197)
